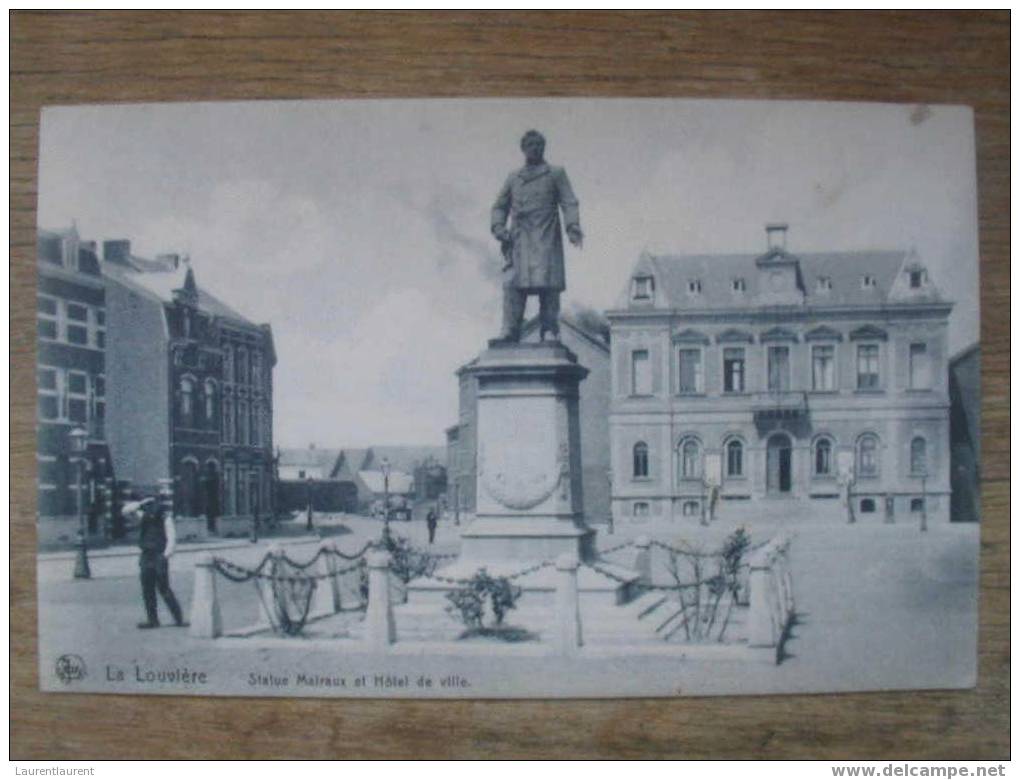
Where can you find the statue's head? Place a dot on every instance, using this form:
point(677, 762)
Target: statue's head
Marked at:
point(533, 146)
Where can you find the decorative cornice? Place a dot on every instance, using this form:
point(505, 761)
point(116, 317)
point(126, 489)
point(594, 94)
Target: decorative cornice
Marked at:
point(823, 333)
point(869, 333)
point(778, 334)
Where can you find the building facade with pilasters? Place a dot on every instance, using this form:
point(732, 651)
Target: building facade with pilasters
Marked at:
point(789, 379)
point(191, 394)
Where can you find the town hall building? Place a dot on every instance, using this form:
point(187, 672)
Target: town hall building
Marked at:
point(777, 382)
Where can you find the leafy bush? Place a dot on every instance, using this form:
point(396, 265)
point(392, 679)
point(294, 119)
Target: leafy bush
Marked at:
point(483, 594)
point(408, 562)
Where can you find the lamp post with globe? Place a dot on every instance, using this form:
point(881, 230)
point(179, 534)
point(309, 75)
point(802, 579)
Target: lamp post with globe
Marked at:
point(385, 468)
point(79, 442)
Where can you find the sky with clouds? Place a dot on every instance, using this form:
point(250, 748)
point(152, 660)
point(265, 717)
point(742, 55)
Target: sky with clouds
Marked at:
point(359, 229)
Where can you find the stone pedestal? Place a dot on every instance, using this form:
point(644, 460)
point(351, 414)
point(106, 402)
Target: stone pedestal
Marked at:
point(529, 499)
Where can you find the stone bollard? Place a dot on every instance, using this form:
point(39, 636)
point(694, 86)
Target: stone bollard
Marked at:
point(380, 630)
point(760, 628)
point(267, 599)
point(206, 622)
point(643, 559)
point(326, 598)
point(568, 608)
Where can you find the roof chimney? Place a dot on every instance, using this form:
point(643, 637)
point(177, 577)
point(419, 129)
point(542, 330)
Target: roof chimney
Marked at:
point(117, 251)
point(776, 234)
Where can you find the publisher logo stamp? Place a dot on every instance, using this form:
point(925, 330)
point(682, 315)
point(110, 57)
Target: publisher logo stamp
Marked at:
point(70, 668)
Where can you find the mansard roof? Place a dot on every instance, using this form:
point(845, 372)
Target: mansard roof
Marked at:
point(844, 272)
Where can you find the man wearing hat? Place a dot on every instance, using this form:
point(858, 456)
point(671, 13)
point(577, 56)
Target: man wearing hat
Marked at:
point(157, 538)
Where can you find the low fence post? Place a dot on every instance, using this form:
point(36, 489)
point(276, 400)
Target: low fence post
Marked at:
point(380, 630)
point(326, 598)
point(643, 559)
point(206, 622)
point(771, 603)
point(568, 609)
point(267, 598)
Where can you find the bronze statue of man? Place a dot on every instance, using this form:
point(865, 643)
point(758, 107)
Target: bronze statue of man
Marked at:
point(533, 246)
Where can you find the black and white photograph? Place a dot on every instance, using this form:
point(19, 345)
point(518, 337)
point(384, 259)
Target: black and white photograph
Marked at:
point(507, 398)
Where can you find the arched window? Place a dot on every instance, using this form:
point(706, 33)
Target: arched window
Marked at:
point(187, 400)
point(188, 496)
point(690, 459)
point(735, 459)
point(640, 460)
point(210, 403)
point(867, 456)
point(823, 458)
point(918, 455)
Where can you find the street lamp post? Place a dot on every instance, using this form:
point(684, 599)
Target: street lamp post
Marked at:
point(385, 466)
point(310, 526)
point(79, 441)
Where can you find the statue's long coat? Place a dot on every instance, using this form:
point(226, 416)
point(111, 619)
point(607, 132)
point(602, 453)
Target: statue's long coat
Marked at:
point(532, 197)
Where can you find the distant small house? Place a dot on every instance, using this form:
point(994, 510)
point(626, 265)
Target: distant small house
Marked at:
point(309, 476)
point(310, 463)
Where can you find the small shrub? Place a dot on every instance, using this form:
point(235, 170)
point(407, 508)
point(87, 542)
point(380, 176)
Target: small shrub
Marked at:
point(407, 562)
point(483, 594)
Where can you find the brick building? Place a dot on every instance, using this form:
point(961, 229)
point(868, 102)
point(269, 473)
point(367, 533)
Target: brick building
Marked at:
point(779, 377)
point(71, 385)
point(190, 387)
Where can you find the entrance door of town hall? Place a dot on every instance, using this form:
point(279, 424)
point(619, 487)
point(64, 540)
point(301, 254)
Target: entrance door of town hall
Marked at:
point(779, 464)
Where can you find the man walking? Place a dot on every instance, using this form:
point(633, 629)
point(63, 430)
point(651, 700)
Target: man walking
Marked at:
point(432, 520)
point(157, 539)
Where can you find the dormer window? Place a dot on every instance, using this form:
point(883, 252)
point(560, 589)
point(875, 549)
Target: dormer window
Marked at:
point(694, 287)
point(916, 279)
point(824, 284)
point(868, 282)
point(739, 285)
point(643, 288)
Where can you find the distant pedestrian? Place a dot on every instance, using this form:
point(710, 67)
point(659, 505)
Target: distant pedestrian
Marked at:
point(432, 520)
point(157, 539)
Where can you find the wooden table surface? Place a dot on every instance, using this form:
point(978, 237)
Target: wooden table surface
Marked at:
point(64, 58)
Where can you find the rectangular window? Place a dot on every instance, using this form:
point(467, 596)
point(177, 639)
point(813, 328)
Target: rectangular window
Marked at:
point(46, 306)
point(47, 330)
point(643, 288)
point(77, 397)
point(779, 369)
point(867, 367)
point(733, 369)
point(823, 367)
point(77, 312)
point(77, 334)
point(690, 375)
point(920, 372)
point(49, 388)
point(640, 373)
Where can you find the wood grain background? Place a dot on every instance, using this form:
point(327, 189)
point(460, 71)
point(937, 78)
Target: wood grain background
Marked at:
point(62, 58)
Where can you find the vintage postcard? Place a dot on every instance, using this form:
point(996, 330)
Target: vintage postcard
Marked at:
point(507, 398)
